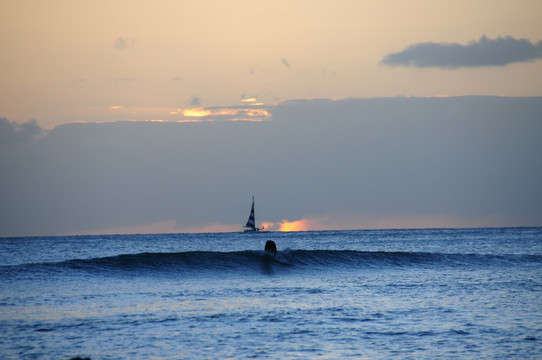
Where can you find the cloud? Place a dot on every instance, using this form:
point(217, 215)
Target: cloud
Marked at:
point(194, 101)
point(12, 132)
point(484, 52)
point(125, 79)
point(343, 220)
point(320, 164)
point(122, 43)
point(296, 225)
point(252, 112)
point(285, 62)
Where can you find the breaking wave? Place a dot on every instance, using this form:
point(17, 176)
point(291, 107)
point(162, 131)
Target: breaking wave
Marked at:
point(254, 261)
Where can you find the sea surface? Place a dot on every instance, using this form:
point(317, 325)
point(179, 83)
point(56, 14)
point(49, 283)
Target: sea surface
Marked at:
point(402, 294)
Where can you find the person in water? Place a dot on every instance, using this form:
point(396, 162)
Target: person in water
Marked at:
point(271, 247)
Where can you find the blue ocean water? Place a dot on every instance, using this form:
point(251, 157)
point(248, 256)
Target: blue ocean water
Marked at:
point(407, 294)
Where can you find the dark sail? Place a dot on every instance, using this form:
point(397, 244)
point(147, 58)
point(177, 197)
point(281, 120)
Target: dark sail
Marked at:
point(251, 223)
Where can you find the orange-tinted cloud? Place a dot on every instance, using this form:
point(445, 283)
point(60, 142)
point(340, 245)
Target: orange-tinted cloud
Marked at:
point(296, 225)
point(353, 221)
point(299, 225)
point(196, 112)
point(228, 114)
point(251, 110)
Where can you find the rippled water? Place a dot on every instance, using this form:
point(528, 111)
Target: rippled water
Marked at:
point(464, 293)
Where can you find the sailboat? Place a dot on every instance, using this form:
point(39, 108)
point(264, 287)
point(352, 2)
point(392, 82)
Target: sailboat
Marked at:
point(251, 223)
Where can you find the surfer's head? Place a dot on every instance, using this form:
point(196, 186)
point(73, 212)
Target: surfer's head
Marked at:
point(271, 246)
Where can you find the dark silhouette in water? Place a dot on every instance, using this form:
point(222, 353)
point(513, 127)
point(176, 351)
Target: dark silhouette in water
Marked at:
point(271, 246)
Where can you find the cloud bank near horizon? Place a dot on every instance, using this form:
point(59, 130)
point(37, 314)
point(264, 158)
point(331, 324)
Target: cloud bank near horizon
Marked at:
point(316, 164)
point(12, 132)
point(501, 51)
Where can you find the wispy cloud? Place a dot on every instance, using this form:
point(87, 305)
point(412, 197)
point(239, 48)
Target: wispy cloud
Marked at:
point(232, 113)
point(122, 43)
point(250, 110)
point(484, 52)
point(125, 79)
point(285, 63)
point(194, 100)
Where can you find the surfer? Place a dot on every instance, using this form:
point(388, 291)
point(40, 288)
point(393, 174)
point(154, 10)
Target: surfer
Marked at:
point(271, 247)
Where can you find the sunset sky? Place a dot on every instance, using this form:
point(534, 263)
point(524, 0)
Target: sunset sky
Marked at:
point(277, 88)
point(66, 61)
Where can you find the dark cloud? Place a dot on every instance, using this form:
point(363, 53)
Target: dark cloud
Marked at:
point(463, 156)
point(484, 52)
point(12, 132)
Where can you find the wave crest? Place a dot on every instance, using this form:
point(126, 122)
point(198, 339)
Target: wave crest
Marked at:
point(253, 261)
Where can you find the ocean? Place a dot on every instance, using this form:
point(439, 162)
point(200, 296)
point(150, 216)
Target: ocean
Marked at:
point(366, 294)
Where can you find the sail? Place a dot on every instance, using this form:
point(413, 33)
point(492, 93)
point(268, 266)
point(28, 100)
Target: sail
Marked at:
point(251, 223)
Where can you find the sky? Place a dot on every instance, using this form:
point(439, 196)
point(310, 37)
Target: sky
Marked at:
point(151, 87)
